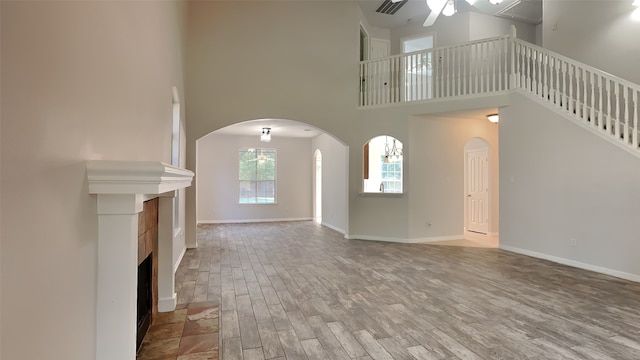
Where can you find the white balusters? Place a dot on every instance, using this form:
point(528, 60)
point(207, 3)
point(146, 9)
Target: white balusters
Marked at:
point(596, 98)
point(600, 105)
point(592, 114)
point(625, 98)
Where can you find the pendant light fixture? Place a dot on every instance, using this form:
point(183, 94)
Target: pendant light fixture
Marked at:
point(266, 134)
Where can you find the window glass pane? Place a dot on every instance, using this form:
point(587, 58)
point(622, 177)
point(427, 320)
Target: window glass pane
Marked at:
point(257, 174)
point(384, 155)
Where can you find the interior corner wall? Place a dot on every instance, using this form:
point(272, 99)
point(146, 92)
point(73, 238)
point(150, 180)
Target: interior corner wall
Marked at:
point(559, 182)
point(217, 171)
point(374, 216)
point(335, 192)
point(436, 183)
point(447, 30)
point(599, 33)
point(81, 80)
point(373, 31)
point(482, 26)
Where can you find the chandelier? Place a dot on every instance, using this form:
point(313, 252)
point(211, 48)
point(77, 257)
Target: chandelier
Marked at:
point(391, 153)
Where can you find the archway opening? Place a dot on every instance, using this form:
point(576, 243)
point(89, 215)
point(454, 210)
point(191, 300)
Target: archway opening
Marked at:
point(317, 196)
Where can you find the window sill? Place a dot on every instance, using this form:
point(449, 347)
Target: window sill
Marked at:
point(381, 194)
point(260, 204)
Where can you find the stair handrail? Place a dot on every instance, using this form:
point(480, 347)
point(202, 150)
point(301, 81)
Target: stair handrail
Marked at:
point(596, 97)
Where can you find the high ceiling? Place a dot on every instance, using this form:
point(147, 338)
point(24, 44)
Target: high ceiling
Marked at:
point(413, 10)
point(529, 11)
point(279, 128)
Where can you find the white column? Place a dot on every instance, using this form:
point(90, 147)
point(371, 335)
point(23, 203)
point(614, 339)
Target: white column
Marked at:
point(166, 281)
point(117, 276)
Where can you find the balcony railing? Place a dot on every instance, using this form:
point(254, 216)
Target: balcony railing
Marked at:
point(459, 70)
point(591, 96)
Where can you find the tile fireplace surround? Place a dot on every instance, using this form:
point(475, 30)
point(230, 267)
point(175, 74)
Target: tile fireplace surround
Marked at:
point(121, 188)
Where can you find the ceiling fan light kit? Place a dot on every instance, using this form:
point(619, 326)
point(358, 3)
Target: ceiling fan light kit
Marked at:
point(449, 9)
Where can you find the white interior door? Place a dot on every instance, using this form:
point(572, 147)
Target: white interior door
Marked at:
point(477, 191)
point(380, 72)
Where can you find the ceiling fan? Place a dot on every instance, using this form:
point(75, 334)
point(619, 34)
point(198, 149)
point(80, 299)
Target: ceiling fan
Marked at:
point(444, 7)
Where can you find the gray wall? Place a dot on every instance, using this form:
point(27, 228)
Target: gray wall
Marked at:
point(599, 33)
point(284, 60)
point(80, 81)
point(437, 173)
point(560, 182)
point(217, 170)
point(461, 27)
point(335, 170)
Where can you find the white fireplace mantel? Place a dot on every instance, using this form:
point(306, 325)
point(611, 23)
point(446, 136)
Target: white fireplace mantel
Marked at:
point(135, 177)
point(121, 187)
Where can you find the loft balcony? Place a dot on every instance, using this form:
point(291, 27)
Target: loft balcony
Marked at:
point(598, 100)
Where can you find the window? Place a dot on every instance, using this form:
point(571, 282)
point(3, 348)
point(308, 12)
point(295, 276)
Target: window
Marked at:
point(383, 165)
point(257, 176)
point(392, 175)
point(175, 152)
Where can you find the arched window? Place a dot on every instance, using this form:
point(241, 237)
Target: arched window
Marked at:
point(383, 165)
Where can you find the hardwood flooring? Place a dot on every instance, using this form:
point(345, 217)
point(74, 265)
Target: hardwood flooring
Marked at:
point(301, 291)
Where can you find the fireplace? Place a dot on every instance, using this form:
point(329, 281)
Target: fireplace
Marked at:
point(126, 239)
point(147, 299)
point(145, 304)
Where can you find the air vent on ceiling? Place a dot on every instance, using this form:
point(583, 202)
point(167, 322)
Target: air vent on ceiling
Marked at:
point(389, 7)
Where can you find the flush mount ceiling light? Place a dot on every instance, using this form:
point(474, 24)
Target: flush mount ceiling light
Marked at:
point(494, 118)
point(495, 2)
point(266, 134)
point(636, 3)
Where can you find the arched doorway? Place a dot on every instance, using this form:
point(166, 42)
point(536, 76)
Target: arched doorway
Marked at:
point(317, 196)
point(477, 187)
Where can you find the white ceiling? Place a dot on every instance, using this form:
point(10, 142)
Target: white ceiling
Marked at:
point(529, 11)
point(414, 10)
point(279, 127)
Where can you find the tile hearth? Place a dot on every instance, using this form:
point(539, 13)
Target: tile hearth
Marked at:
point(188, 333)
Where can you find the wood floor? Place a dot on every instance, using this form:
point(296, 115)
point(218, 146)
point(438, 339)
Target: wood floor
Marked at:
point(301, 291)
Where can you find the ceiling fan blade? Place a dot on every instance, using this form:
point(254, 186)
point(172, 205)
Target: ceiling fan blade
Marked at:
point(436, 9)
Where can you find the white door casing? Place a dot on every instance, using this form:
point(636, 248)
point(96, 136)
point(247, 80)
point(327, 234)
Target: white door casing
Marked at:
point(477, 190)
point(317, 198)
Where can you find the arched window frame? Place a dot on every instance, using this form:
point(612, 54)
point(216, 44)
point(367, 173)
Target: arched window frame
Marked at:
point(383, 165)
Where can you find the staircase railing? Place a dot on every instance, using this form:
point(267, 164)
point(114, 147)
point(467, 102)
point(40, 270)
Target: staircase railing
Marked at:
point(591, 96)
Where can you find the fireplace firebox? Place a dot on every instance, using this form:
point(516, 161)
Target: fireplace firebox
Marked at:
point(147, 268)
point(145, 304)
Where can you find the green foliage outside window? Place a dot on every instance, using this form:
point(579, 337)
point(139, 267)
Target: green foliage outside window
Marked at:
point(257, 176)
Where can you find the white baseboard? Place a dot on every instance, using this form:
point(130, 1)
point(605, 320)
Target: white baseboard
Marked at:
point(341, 231)
point(403, 240)
point(437, 238)
point(167, 304)
point(240, 221)
point(175, 266)
point(573, 263)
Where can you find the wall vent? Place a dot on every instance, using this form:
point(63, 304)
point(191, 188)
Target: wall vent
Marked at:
point(390, 8)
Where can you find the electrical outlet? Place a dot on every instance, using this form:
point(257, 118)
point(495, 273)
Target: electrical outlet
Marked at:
point(573, 242)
